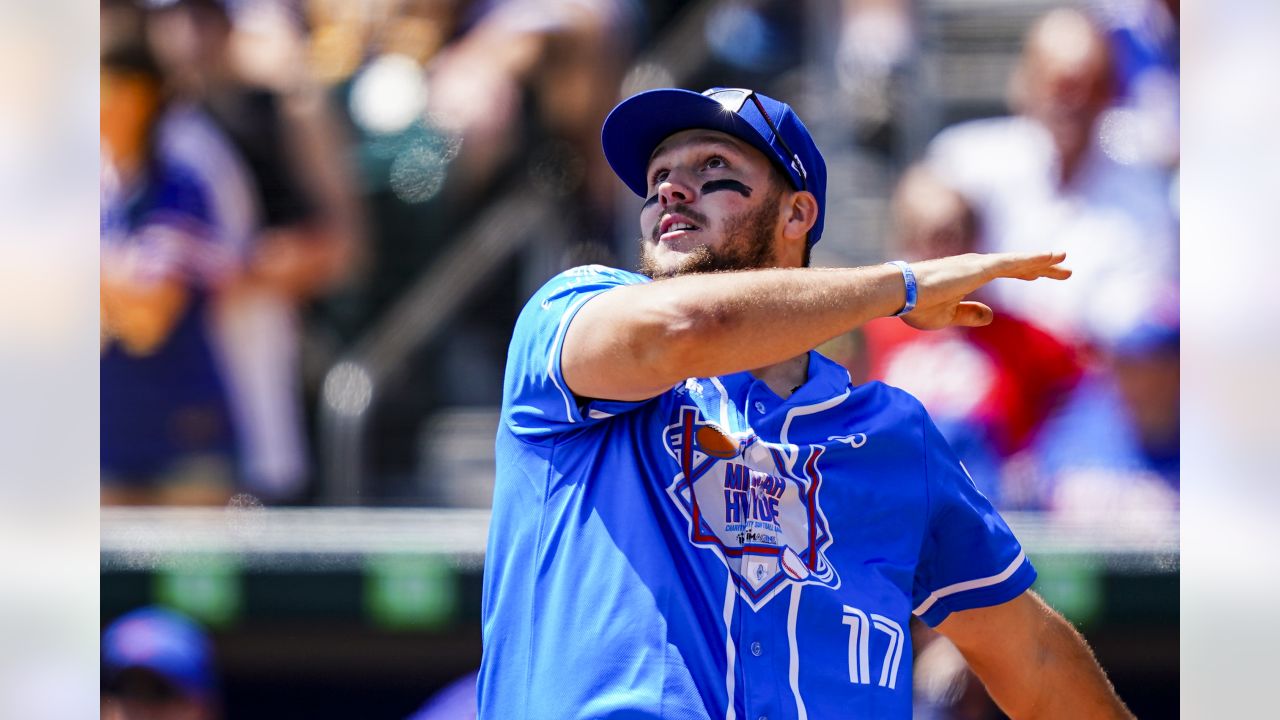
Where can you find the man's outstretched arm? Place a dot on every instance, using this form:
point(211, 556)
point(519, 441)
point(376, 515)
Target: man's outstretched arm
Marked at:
point(634, 342)
point(1033, 662)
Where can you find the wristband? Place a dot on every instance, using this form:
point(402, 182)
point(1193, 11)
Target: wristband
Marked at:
point(909, 278)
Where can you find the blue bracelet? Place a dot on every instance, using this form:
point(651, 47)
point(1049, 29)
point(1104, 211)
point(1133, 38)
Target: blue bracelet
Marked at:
point(909, 278)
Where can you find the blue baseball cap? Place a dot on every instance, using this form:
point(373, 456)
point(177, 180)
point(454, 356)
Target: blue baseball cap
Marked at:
point(164, 642)
point(638, 124)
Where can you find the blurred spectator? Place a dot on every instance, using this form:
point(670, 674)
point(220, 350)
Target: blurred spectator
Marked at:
point(1112, 450)
point(567, 58)
point(250, 73)
point(876, 36)
point(463, 108)
point(176, 214)
point(480, 71)
point(1067, 174)
point(253, 80)
point(988, 388)
point(158, 664)
point(1052, 177)
point(877, 42)
point(1143, 35)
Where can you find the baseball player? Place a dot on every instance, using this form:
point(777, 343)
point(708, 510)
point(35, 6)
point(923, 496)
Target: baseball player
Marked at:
point(698, 516)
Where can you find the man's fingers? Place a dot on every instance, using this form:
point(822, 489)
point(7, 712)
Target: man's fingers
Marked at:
point(970, 313)
point(943, 281)
point(1018, 264)
point(1032, 266)
point(1056, 272)
point(1049, 257)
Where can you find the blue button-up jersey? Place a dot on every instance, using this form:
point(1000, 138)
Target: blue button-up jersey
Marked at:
point(718, 551)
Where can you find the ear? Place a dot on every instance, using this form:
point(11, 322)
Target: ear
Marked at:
point(799, 215)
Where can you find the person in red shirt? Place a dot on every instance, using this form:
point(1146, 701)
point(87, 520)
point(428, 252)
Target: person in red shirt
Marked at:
point(988, 388)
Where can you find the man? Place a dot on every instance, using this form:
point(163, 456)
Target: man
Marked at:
point(1065, 172)
point(696, 516)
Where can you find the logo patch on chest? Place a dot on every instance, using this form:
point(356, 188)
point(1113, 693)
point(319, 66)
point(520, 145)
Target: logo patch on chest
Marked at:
point(753, 503)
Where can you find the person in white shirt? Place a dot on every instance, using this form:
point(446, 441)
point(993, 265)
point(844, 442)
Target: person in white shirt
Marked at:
point(1060, 175)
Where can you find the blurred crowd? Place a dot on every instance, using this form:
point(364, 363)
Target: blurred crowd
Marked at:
point(226, 206)
point(1068, 402)
point(274, 179)
point(279, 177)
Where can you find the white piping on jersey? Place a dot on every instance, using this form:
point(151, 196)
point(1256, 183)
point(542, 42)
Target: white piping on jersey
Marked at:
point(793, 672)
point(730, 596)
point(859, 644)
point(792, 451)
point(897, 639)
point(595, 414)
point(724, 405)
point(1003, 575)
point(555, 354)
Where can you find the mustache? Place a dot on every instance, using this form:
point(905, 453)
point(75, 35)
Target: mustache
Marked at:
point(698, 219)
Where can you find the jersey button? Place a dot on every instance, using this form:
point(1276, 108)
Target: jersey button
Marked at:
point(757, 650)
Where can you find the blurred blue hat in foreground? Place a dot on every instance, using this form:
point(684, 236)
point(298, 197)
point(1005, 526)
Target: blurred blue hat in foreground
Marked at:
point(164, 642)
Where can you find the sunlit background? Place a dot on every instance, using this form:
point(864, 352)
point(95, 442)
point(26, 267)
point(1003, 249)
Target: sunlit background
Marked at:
point(415, 169)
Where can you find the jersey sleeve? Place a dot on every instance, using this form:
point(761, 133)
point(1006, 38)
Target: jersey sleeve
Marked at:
point(969, 558)
point(173, 233)
point(151, 239)
point(537, 403)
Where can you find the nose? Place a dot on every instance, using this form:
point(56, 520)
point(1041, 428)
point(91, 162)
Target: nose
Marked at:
point(675, 189)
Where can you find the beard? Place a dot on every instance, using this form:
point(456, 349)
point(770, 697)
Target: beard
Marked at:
point(748, 245)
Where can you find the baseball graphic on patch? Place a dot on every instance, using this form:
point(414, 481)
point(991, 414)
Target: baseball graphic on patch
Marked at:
point(716, 442)
point(792, 565)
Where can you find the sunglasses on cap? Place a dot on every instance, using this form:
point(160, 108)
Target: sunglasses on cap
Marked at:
point(734, 99)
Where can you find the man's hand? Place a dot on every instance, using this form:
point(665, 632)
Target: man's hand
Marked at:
point(944, 283)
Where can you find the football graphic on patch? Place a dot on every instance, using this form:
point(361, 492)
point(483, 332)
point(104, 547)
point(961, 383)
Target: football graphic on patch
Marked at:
point(715, 442)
